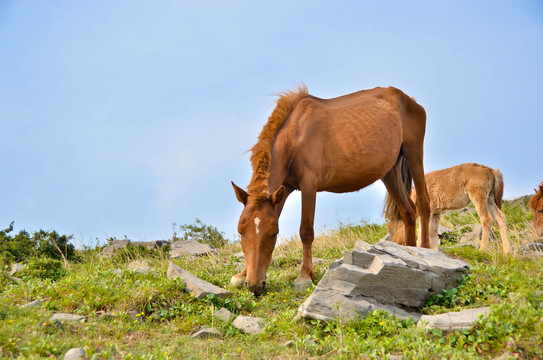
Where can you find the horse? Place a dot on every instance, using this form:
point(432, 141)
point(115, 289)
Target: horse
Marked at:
point(338, 145)
point(536, 204)
point(456, 187)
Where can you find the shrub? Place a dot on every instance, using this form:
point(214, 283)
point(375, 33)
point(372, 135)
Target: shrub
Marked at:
point(203, 233)
point(43, 244)
point(44, 268)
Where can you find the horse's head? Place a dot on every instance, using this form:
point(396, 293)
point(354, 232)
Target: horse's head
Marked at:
point(258, 227)
point(536, 204)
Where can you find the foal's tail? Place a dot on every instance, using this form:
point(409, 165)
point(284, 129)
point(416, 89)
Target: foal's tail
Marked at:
point(497, 187)
point(391, 211)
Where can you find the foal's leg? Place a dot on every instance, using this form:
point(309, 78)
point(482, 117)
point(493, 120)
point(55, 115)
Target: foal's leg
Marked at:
point(499, 217)
point(434, 227)
point(484, 214)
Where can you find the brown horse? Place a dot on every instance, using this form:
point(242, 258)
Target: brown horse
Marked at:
point(458, 186)
point(536, 204)
point(338, 145)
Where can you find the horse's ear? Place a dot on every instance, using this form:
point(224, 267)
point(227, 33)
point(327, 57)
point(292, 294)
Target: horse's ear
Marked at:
point(279, 195)
point(240, 194)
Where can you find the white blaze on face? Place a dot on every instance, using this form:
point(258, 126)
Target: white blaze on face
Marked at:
point(257, 222)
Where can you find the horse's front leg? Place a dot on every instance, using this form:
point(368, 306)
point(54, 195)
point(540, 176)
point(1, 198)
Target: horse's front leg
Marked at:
point(305, 279)
point(238, 280)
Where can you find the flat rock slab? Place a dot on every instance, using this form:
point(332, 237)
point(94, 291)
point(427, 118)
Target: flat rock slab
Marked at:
point(66, 317)
point(453, 321)
point(207, 333)
point(116, 245)
point(249, 324)
point(198, 287)
point(190, 248)
point(140, 266)
point(224, 315)
point(385, 276)
point(75, 353)
point(32, 304)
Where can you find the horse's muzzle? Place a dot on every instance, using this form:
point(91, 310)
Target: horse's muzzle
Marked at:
point(257, 290)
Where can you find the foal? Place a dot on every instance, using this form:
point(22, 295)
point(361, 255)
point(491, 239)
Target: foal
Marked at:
point(455, 187)
point(536, 204)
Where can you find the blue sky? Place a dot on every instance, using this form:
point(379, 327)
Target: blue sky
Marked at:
point(121, 118)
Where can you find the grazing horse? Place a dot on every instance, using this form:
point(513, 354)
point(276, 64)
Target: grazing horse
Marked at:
point(536, 204)
point(338, 145)
point(455, 187)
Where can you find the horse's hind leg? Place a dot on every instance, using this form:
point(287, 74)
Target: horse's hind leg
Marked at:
point(397, 191)
point(479, 200)
point(499, 217)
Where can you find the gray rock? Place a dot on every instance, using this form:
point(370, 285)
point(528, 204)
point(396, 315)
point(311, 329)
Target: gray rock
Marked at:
point(198, 287)
point(536, 247)
point(140, 266)
point(239, 255)
point(442, 230)
point(249, 324)
point(224, 315)
point(116, 245)
point(207, 333)
point(16, 268)
point(385, 276)
point(33, 304)
point(66, 317)
point(190, 248)
point(453, 321)
point(75, 353)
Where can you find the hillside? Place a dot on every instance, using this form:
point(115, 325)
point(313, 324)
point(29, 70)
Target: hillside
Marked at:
point(128, 313)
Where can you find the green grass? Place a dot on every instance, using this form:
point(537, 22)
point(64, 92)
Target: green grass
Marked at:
point(166, 315)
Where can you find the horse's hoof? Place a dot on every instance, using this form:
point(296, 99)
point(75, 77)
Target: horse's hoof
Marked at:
point(301, 285)
point(237, 281)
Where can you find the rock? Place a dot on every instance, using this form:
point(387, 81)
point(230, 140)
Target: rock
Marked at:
point(302, 285)
point(441, 230)
point(116, 245)
point(15, 279)
point(33, 304)
point(75, 353)
point(385, 276)
point(536, 247)
point(140, 266)
point(207, 333)
point(196, 286)
point(190, 248)
point(249, 324)
point(66, 317)
point(16, 268)
point(315, 261)
point(453, 321)
point(224, 315)
point(239, 255)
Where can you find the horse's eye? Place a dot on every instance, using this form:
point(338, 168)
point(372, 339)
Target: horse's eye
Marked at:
point(541, 211)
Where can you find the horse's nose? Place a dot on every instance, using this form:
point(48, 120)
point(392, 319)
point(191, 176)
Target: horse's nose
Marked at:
point(257, 290)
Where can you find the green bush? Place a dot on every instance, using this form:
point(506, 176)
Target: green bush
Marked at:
point(43, 244)
point(44, 268)
point(203, 233)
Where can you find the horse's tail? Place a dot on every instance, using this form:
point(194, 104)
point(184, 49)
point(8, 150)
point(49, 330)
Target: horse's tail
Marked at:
point(391, 211)
point(497, 187)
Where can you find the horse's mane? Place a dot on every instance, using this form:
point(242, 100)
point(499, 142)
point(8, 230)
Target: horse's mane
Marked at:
point(535, 199)
point(258, 188)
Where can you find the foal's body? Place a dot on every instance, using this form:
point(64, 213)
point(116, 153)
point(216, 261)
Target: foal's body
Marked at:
point(458, 186)
point(338, 145)
point(536, 204)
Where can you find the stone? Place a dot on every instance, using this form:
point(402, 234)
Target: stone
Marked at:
point(224, 315)
point(16, 268)
point(66, 317)
point(116, 245)
point(239, 255)
point(453, 321)
point(75, 353)
point(140, 266)
point(536, 247)
point(249, 324)
point(32, 304)
point(441, 230)
point(207, 333)
point(385, 276)
point(190, 248)
point(197, 287)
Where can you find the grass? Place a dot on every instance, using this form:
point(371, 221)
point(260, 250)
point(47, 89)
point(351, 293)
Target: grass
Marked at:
point(153, 317)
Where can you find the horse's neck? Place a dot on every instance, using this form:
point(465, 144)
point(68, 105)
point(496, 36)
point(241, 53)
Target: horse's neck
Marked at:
point(278, 172)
